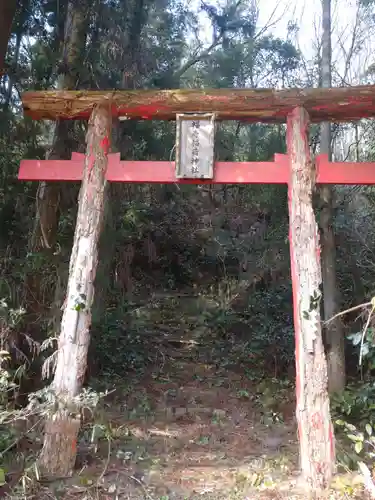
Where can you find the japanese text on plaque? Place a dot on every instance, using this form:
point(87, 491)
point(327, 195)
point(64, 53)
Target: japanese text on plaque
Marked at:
point(195, 147)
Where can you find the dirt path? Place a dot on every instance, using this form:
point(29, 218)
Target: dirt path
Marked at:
point(189, 433)
point(188, 430)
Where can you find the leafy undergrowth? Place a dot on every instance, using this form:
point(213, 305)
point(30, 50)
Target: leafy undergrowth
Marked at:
point(186, 431)
point(201, 422)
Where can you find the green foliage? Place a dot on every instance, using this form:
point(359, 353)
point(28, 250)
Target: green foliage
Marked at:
point(364, 342)
point(8, 384)
point(208, 264)
point(353, 410)
point(141, 45)
point(269, 314)
point(120, 341)
point(169, 239)
point(356, 403)
point(362, 444)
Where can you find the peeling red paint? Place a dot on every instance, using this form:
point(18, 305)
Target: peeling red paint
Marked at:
point(147, 110)
point(90, 163)
point(225, 172)
point(332, 441)
point(315, 448)
point(317, 420)
point(260, 105)
point(104, 144)
point(225, 99)
point(324, 107)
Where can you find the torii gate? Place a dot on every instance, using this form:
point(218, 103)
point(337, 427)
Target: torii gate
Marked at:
point(296, 169)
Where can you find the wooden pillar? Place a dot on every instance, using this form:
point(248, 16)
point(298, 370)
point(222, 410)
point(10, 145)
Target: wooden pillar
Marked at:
point(317, 453)
point(59, 450)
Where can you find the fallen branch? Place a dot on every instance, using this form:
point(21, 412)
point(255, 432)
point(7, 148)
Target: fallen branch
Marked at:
point(351, 309)
point(365, 331)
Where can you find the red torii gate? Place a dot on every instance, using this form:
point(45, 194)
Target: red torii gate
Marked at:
point(163, 172)
point(296, 169)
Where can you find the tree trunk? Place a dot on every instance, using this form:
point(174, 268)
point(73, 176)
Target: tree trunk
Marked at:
point(73, 51)
point(13, 69)
point(317, 456)
point(116, 192)
point(48, 197)
point(7, 12)
point(334, 330)
point(59, 449)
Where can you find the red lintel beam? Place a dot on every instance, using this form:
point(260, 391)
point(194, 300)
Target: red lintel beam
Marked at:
point(276, 172)
point(51, 170)
point(344, 172)
point(162, 172)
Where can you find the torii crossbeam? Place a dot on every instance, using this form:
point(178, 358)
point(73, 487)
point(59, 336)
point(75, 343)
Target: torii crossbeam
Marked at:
point(296, 169)
point(163, 172)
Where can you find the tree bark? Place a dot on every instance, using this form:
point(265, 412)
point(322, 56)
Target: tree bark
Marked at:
point(317, 455)
point(13, 65)
point(334, 330)
point(48, 197)
point(59, 449)
point(253, 105)
point(39, 284)
point(7, 12)
point(73, 51)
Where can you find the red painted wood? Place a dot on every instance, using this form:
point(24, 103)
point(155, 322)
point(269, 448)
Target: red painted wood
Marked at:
point(317, 456)
point(157, 171)
point(50, 170)
point(344, 172)
point(259, 105)
point(276, 172)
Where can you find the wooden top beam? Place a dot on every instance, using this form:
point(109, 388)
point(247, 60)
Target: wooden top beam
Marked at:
point(260, 105)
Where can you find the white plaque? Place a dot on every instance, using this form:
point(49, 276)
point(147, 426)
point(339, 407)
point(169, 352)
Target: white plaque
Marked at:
point(195, 136)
